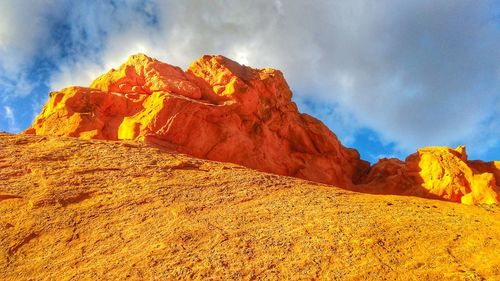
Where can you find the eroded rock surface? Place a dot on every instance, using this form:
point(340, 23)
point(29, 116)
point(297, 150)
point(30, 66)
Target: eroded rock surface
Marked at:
point(220, 110)
point(217, 110)
point(73, 209)
point(436, 172)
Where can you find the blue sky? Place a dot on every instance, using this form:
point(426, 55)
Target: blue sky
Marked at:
point(385, 76)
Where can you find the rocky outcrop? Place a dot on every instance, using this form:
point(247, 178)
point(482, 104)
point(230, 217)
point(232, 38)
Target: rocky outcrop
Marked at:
point(217, 109)
point(220, 110)
point(436, 172)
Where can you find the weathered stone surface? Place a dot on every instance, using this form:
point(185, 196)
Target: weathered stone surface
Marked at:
point(220, 110)
point(436, 172)
point(73, 209)
point(217, 110)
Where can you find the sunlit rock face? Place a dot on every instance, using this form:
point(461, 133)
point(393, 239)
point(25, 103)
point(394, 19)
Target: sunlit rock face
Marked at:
point(220, 110)
point(217, 109)
point(436, 172)
point(77, 209)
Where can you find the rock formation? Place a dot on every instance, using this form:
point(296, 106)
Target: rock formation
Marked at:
point(436, 172)
point(217, 109)
point(220, 110)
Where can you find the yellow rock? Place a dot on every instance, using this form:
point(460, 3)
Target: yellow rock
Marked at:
point(436, 172)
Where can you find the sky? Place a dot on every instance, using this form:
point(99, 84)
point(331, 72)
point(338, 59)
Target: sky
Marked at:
point(385, 76)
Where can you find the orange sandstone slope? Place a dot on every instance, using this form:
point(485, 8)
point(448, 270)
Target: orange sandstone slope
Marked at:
point(220, 110)
point(73, 209)
point(217, 110)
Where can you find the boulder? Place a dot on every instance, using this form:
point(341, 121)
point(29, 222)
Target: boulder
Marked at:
point(436, 172)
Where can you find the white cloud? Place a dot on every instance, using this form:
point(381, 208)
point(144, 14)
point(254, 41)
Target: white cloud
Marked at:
point(11, 119)
point(15, 85)
point(79, 73)
point(417, 72)
point(23, 25)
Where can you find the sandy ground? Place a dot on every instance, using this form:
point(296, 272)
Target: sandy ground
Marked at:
point(73, 210)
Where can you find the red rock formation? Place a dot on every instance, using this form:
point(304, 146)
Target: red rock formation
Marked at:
point(217, 110)
point(436, 172)
point(220, 110)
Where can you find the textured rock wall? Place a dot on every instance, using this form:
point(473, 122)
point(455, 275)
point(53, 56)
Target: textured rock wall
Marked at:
point(217, 109)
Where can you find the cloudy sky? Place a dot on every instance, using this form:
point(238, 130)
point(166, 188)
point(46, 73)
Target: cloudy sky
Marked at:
point(385, 76)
